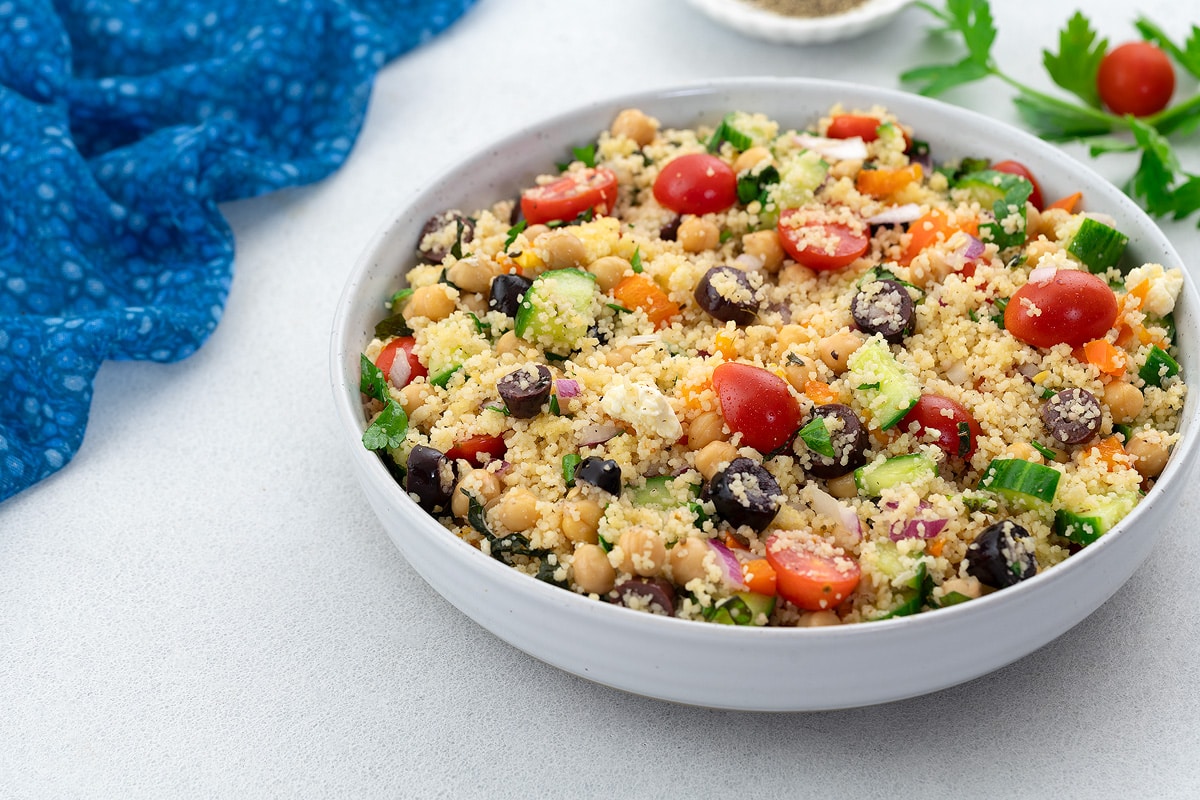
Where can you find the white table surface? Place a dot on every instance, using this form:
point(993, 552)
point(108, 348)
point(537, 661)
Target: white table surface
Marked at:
point(202, 604)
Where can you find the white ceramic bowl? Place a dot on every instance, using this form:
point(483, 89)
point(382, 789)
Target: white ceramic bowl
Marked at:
point(691, 662)
point(762, 24)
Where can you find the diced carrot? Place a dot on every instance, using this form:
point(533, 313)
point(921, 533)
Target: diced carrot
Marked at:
point(884, 182)
point(1067, 203)
point(934, 547)
point(929, 228)
point(639, 291)
point(734, 543)
point(1124, 336)
point(693, 393)
point(1136, 296)
point(821, 393)
point(1105, 356)
point(759, 576)
point(1112, 452)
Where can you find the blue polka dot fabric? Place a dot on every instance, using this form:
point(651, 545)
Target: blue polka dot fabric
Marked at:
point(122, 125)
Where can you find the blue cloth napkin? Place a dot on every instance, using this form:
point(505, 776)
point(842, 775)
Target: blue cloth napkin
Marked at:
point(122, 125)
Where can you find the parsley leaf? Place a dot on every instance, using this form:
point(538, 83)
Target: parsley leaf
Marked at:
point(1156, 169)
point(388, 429)
point(939, 78)
point(513, 233)
point(371, 381)
point(1075, 65)
point(635, 263)
point(1187, 56)
point(1057, 120)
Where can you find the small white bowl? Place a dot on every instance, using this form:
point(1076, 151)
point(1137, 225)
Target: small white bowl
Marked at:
point(762, 24)
point(778, 669)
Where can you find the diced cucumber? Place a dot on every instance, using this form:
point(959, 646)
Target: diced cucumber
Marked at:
point(872, 479)
point(889, 390)
point(1094, 518)
point(906, 573)
point(659, 492)
point(1158, 367)
point(558, 309)
point(1021, 482)
point(952, 599)
point(1096, 245)
point(799, 177)
point(443, 377)
point(744, 608)
point(1004, 195)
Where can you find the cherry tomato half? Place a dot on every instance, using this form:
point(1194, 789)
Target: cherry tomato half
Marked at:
point(570, 196)
point(847, 126)
point(810, 580)
point(1136, 78)
point(756, 404)
point(1017, 168)
point(479, 450)
point(956, 429)
point(1073, 307)
point(696, 183)
point(822, 246)
point(400, 371)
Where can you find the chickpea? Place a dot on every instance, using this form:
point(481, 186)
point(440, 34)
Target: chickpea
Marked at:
point(1024, 452)
point(621, 355)
point(796, 273)
point(697, 234)
point(474, 302)
point(835, 350)
point(593, 573)
point(1038, 249)
point(508, 343)
point(481, 484)
point(635, 125)
point(413, 396)
point(750, 159)
point(563, 250)
point(706, 428)
point(765, 246)
point(843, 486)
point(643, 551)
point(1124, 401)
point(435, 302)
point(1149, 453)
point(713, 456)
point(819, 619)
point(789, 335)
point(970, 586)
point(609, 271)
point(687, 560)
point(581, 520)
point(517, 510)
point(798, 370)
point(535, 232)
point(473, 274)
point(1047, 223)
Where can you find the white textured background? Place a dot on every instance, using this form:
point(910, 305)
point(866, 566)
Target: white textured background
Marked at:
point(202, 605)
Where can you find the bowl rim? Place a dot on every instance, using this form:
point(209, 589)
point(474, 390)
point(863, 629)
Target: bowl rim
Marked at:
point(348, 407)
point(782, 28)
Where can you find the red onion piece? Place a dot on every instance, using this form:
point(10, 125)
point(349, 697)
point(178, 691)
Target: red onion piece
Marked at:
point(909, 212)
point(401, 371)
point(836, 149)
point(595, 433)
point(1041, 275)
point(827, 505)
point(731, 568)
point(566, 387)
point(974, 248)
point(916, 529)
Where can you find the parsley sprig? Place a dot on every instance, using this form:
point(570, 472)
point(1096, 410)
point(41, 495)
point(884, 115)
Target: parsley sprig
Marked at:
point(1160, 182)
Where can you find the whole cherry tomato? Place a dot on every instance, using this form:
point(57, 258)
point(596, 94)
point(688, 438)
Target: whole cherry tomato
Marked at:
point(571, 195)
point(757, 404)
point(696, 183)
point(1017, 168)
point(479, 449)
point(822, 246)
point(809, 580)
point(955, 427)
point(1072, 307)
point(400, 371)
point(1136, 78)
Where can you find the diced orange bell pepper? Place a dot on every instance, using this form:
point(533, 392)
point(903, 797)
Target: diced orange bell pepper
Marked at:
point(725, 343)
point(1105, 356)
point(929, 228)
point(1112, 452)
point(639, 291)
point(884, 182)
point(1067, 203)
point(935, 546)
point(821, 393)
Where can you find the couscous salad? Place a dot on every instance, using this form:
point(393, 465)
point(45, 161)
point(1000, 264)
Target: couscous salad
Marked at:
point(757, 376)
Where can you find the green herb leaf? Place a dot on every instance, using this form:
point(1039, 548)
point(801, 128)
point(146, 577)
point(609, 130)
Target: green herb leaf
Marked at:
point(620, 309)
point(756, 186)
point(400, 298)
point(371, 380)
point(514, 232)
point(816, 437)
point(936, 79)
point(1156, 169)
point(388, 430)
point(554, 409)
point(1187, 56)
point(586, 154)
point(1058, 120)
point(1077, 61)
point(395, 325)
point(1049, 454)
point(635, 263)
point(457, 250)
point(569, 464)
